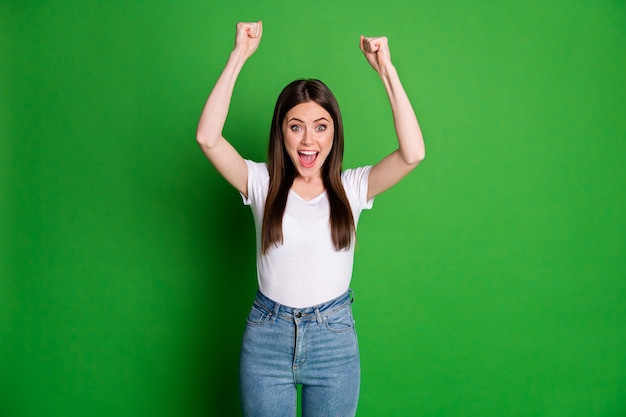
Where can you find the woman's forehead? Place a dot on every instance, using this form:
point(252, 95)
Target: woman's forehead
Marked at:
point(309, 111)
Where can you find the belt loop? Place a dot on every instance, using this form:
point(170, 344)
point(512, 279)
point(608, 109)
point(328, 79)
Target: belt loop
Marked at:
point(275, 312)
point(318, 316)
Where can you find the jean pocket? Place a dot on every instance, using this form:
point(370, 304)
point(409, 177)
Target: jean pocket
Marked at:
point(257, 317)
point(340, 322)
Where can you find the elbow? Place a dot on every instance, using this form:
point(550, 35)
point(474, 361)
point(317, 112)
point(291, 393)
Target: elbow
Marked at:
point(204, 140)
point(412, 149)
point(420, 156)
point(414, 158)
point(201, 137)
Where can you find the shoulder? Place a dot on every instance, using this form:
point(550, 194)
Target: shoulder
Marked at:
point(257, 170)
point(355, 183)
point(355, 176)
point(258, 183)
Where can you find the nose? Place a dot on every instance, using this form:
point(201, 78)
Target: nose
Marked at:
point(306, 137)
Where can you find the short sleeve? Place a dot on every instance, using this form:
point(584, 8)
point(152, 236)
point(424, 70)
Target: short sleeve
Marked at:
point(355, 182)
point(258, 181)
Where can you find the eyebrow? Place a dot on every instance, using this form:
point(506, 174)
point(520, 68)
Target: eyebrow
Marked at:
point(301, 121)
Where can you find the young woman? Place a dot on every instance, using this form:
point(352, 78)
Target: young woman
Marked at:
point(300, 329)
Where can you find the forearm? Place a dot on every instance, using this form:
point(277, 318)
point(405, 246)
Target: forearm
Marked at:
point(215, 110)
point(410, 140)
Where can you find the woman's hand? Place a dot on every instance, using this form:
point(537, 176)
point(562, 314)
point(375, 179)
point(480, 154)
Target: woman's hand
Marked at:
point(376, 51)
point(248, 37)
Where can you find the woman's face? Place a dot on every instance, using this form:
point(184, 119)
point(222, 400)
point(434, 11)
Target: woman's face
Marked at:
point(308, 132)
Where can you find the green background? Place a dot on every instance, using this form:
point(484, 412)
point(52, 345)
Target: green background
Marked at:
point(490, 282)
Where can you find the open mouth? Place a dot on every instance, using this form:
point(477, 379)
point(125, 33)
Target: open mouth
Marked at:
point(308, 158)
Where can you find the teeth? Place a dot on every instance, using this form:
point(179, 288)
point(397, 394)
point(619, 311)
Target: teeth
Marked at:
point(307, 152)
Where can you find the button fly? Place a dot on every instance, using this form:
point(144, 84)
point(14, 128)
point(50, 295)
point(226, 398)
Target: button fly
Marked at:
point(298, 314)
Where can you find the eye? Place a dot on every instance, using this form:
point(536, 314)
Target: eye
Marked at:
point(295, 128)
point(321, 128)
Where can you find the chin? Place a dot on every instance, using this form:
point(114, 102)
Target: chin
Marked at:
point(309, 172)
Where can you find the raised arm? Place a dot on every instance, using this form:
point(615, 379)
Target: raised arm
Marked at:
point(411, 151)
point(220, 152)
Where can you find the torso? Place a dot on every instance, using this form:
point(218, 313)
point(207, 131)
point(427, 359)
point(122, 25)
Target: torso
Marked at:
point(306, 269)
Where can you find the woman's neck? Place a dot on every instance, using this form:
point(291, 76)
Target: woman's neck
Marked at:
point(308, 188)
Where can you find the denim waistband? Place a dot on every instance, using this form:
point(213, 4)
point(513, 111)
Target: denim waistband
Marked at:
point(276, 310)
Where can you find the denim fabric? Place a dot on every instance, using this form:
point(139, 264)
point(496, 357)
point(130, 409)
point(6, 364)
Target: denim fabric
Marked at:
point(315, 347)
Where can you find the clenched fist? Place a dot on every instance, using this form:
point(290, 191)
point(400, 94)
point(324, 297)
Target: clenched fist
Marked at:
point(376, 51)
point(248, 37)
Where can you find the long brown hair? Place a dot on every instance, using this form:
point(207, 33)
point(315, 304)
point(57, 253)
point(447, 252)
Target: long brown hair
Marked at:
point(282, 171)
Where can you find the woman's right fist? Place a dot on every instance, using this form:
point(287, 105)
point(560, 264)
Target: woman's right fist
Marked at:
point(248, 36)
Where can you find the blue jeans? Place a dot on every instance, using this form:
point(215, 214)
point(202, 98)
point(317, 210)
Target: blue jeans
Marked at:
point(315, 347)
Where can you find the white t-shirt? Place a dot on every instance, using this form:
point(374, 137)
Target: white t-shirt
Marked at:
point(305, 270)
